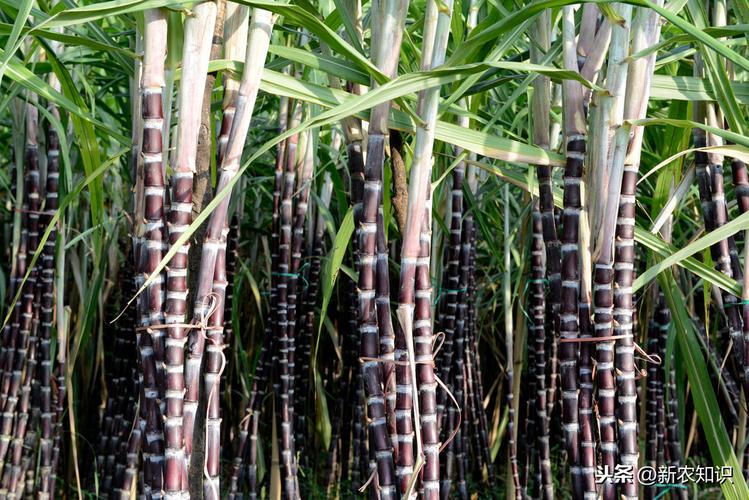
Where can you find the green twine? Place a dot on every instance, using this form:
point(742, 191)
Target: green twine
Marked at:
point(736, 304)
point(529, 282)
point(448, 290)
point(296, 275)
point(538, 280)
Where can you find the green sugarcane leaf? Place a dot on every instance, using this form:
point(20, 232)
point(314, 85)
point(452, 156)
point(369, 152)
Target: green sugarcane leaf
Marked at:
point(322, 416)
point(87, 142)
point(69, 39)
point(332, 267)
point(14, 40)
point(691, 88)
point(716, 72)
point(344, 10)
point(72, 196)
point(705, 401)
point(714, 31)
point(334, 66)
point(741, 223)
point(725, 134)
point(486, 34)
point(17, 72)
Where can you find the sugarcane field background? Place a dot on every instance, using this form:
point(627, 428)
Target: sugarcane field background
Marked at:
point(391, 249)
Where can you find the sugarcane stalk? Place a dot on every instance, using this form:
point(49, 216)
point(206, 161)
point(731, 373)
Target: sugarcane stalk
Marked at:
point(646, 32)
point(419, 201)
point(236, 25)
point(155, 240)
point(214, 366)
point(514, 488)
point(235, 48)
point(17, 350)
point(47, 305)
point(575, 131)
point(260, 379)
point(538, 326)
point(713, 217)
point(257, 47)
point(183, 387)
point(387, 31)
point(672, 439)
point(305, 169)
point(304, 349)
point(538, 329)
point(651, 414)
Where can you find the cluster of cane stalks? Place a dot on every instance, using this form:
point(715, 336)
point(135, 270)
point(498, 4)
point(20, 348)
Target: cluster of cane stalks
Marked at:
point(334, 346)
point(33, 383)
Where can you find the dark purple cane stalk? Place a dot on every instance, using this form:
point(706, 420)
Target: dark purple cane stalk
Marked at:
point(388, 21)
point(603, 323)
point(236, 23)
point(153, 431)
point(538, 331)
point(13, 469)
point(125, 403)
point(152, 250)
point(283, 390)
point(304, 346)
point(672, 438)
point(423, 341)
point(448, 307)
point(654, 380)
point(257, 47)
point(214, 366)
point(740, 183)
point(451, 283)
point(183, 374)
point(623, 308)
point(16, 356)
point(720, 251)
point(461, 438)
point(305, 168)
point(459, 416)
point(252, 419)
point(419, 204)
point(569, 328)
point(60, 402)
point(472, 339)
point(585, 401)
point(509, 352)
point(247, 452)
point(230, 394)
point(47, 308)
